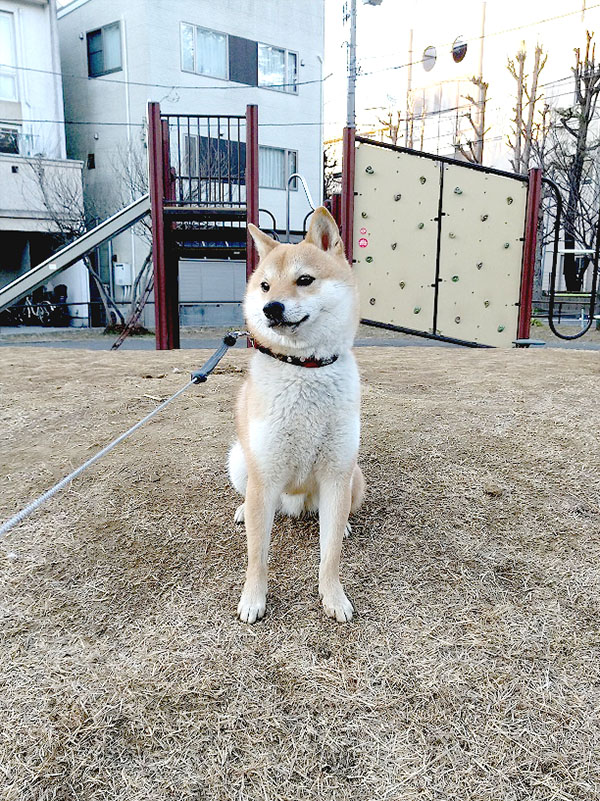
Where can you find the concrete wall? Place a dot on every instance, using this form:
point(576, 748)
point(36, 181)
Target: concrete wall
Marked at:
point(22, 184)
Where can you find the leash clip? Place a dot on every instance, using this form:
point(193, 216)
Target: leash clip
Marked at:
point(229, 340)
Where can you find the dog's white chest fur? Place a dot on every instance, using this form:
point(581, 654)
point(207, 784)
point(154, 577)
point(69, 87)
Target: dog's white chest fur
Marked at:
point(309, 418)
point(298, 426)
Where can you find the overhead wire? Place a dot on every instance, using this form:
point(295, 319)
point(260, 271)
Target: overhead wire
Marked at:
point(228, 86)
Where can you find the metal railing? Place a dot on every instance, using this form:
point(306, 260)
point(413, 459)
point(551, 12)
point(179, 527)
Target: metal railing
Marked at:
point(553, 275)
point(293, 177)
point(207, 156)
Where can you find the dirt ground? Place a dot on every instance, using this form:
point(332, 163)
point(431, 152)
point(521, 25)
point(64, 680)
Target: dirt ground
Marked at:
point(471, 671)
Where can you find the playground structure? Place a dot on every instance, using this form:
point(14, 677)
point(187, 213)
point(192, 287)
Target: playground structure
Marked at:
point(74, 251)
point(203, 182)
point(442, 248)
point(203, 192)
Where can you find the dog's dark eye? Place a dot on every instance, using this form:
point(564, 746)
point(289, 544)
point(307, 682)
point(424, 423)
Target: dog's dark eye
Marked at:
point(264, 286)
point(305, 280)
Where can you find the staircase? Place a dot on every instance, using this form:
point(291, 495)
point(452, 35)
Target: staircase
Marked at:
point(214, 232)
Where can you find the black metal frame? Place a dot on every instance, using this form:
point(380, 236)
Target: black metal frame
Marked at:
point(552, 287)
point(438, 249)
point(444, 159)
point(425, 335)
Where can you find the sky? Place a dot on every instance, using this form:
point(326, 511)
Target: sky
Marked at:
point(382, 39)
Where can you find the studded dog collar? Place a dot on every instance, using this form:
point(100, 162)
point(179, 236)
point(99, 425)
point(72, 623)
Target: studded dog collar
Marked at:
point(309, 361)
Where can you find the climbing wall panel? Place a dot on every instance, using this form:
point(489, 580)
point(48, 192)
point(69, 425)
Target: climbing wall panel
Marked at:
point(481, 251)
point(395, 236)
point(438, 245)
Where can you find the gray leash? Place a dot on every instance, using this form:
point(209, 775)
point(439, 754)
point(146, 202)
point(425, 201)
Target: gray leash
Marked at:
point(198, 377)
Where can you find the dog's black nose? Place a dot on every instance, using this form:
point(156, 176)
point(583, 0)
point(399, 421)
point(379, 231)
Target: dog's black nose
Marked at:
point(274, 311)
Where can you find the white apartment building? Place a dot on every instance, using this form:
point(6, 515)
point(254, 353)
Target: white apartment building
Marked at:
point(32, 143)
point(194, 57)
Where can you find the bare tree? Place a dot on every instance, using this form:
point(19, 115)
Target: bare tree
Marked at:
point(131, 176)
point(391, 125)
point(472, 148)
point(70, 218)
point(331, 172)
point(62, 197)
point(570, 158)
point(526, 127)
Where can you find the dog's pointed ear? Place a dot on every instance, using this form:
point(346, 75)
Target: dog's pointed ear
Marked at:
point(324, 233)
point(264, 243)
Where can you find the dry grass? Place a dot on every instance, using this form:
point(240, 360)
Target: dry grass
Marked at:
point(470, 673)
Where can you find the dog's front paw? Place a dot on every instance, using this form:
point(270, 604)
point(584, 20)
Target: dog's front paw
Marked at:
point(252, 604)
point(336, 604)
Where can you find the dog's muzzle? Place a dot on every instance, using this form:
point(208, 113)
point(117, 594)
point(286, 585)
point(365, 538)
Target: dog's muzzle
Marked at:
point(274, 311)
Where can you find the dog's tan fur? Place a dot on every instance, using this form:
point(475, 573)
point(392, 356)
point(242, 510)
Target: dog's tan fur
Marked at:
point(297, 426)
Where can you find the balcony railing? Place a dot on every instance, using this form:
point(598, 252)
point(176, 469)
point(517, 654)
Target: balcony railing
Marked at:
point(208, 159)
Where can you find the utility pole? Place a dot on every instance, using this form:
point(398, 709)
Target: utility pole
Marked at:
point(351, 102)
point(349, 137)
point(350, 15)
point(482, 92)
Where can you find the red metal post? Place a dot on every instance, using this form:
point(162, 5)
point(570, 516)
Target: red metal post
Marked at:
point(534, 197)
point(171, 257)
point(334, 204)
point(251, 190)
point(157, 193)
point(348, 166)
point(168, 171)
point(251, 185)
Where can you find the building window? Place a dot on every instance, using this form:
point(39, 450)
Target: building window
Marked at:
point(8, 77)
point(429, 58)
point(211, 53)
point(275, 165)
point(104, 50)
point(233, 58)
point(204, 51)
point(277, 68)
point(459, 49)
point(9, 140)
point(91, 161)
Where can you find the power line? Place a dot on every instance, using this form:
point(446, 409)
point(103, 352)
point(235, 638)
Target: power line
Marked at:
point(228, 86)
point(140, 124)
point(416, 117)
point(481, 36)
point(170, 86)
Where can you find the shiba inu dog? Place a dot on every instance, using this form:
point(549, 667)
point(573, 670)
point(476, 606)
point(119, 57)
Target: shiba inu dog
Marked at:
point(298, 411)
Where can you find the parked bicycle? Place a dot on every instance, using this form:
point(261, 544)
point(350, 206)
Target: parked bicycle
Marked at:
point(42, 307)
